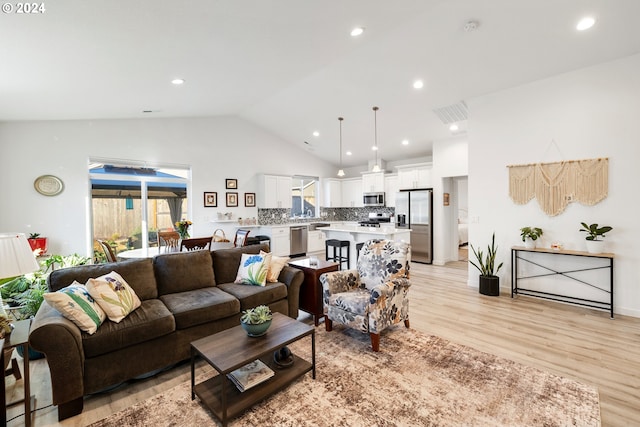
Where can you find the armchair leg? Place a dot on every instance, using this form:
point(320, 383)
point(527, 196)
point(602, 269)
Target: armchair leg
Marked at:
point(406, 323)
point(375, 341)
point(328, 324)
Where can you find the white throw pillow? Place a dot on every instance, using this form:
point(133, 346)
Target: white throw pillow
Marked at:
point(114, 296)
point(76, 304)
point(252, 270)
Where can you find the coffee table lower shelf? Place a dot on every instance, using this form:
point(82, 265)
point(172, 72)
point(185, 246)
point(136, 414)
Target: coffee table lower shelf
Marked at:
point(210, 392)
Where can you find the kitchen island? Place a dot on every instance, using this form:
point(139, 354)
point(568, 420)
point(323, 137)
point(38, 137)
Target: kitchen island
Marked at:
point(358, 234)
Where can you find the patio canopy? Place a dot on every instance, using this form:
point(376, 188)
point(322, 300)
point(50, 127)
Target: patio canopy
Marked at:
point(122, 189)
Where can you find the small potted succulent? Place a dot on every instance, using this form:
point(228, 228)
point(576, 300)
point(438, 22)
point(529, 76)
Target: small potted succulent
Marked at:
point(530, 235)
point(595, 234)
point(255, 321)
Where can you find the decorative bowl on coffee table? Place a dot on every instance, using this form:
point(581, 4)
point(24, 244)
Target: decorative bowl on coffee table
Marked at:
point(257, 329)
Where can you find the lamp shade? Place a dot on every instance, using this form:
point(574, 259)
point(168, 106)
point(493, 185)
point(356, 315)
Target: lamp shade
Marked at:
point(16, 257)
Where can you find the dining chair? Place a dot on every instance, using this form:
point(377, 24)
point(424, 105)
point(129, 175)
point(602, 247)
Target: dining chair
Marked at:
point(108, 251)
point(169, 239)
point(195, 244)
point(241, 238)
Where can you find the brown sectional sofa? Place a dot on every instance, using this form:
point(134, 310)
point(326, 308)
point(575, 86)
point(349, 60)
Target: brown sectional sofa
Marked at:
point(185, 296)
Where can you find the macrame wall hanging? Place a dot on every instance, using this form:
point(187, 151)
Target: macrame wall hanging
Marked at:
point(557, 184)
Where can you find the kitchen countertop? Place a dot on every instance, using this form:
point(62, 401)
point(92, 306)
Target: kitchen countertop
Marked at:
point(382, 230)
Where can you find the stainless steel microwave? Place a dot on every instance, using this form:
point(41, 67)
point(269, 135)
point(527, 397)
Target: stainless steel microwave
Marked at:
point(373, 199)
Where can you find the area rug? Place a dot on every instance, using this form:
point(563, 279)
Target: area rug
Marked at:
point(415, 380)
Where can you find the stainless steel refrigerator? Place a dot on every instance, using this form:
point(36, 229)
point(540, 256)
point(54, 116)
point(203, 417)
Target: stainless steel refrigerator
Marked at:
point(414, 210)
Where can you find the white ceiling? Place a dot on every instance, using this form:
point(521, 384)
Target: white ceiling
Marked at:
point(291, 67)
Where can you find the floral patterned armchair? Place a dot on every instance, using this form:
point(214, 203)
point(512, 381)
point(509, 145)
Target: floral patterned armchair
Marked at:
point(374, 296)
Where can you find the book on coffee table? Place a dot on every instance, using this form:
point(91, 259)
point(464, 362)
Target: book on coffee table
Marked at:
point(250, 375)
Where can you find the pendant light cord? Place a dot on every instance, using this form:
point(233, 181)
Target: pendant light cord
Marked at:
point(375, 135)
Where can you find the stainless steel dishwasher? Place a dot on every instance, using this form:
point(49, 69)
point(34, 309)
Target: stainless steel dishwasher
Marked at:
point(298, 239)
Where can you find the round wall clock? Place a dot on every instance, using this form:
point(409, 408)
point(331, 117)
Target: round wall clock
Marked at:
point(48, 185)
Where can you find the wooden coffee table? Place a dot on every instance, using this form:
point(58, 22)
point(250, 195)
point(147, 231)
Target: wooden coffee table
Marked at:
point(228, 350)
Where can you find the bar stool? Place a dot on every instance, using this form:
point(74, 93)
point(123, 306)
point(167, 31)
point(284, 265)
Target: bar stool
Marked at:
point(358, 249)
point(338, 257)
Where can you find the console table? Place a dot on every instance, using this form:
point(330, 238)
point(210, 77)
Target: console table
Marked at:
point(517, 256)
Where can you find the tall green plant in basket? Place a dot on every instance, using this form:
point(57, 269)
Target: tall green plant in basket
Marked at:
point(486, 265)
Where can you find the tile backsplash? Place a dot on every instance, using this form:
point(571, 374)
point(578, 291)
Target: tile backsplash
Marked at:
point(283, 216)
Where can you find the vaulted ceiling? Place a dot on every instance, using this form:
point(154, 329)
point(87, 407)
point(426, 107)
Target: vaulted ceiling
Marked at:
point(291, 66)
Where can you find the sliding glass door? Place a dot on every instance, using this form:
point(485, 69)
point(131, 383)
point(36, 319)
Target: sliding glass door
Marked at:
point(131, 203)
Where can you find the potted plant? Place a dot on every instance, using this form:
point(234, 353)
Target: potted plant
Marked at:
point(595, 234)
point(37, 243)
point(530, 235)
point(256, 321)
point(489, 282)
point(26, 293)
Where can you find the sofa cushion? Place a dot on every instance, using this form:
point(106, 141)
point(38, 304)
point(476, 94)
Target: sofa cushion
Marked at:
point(183, 271)
point(227, 261)
point(151, 320)
point(137, 272)
point(253, 296)
point(75, 303)
point(191, 308)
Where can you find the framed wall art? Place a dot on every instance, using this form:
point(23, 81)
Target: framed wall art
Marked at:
point(250, 200)
point(231, 183)
point(232, 200)
point(210, 199)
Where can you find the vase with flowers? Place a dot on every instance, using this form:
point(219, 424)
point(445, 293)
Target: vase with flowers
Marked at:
point(183, 228)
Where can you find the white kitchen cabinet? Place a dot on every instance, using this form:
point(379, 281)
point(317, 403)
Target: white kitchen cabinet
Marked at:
point(414, 176)
point(332, 193)
point(373, 182)
point(315, 241)
point(280, 244)
point(391, 187)
point(352, 193)
point(274, 192)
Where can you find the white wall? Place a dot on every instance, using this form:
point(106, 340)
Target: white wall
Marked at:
point(589, 113)
point(215, 148)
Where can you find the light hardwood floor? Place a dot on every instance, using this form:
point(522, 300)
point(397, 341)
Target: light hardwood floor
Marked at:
point(574, 342)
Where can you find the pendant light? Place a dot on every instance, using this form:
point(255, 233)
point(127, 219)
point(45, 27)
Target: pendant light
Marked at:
point(340, 171)
point(376, 166)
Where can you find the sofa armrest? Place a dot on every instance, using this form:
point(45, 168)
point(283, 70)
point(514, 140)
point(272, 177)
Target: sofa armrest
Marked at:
point(61, 342)
point(293, 278)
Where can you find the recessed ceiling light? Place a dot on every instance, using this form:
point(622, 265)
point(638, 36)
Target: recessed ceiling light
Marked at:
point(357, 31)
point(349, 153)
point(418, 84)
point(454, 127)
point(405, 142)
point(316, 133)
point(374, 148)
point(585, 23)
point(177, 81)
